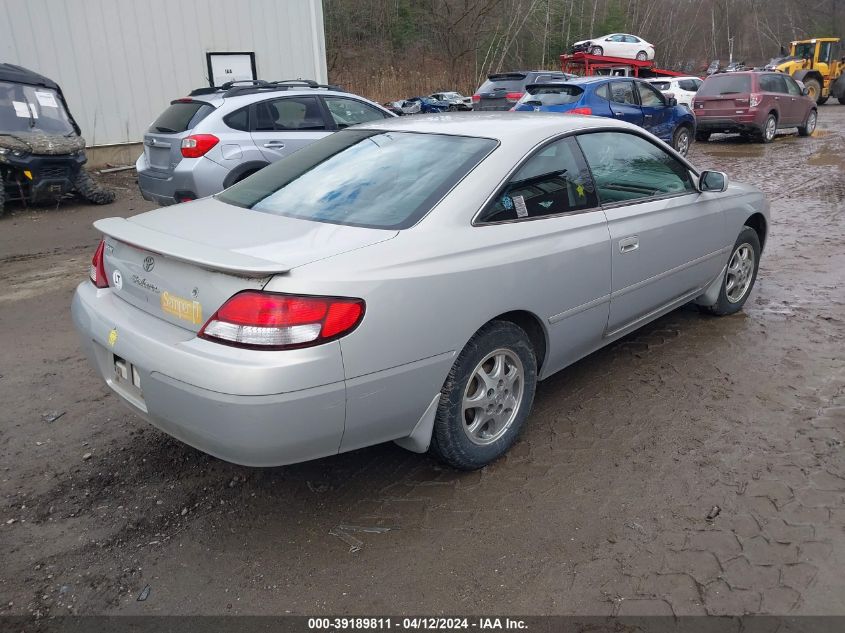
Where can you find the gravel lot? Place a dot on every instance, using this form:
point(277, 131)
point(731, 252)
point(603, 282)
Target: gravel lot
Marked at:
point(601, 508)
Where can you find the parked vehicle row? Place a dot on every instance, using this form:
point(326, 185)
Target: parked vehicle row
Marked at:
point(327, 302)
point(621, 98)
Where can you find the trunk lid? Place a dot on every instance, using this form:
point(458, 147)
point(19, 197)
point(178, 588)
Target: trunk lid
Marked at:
point(183, 262)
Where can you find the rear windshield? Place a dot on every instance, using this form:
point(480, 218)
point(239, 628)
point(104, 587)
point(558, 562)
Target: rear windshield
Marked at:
point(181, 116)
point(725, 85)
point(511, 83)
point(362, 178)
point(551, 96)
point(660, 85)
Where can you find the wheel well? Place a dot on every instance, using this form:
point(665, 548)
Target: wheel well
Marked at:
point(758, 223)
point(533, 328)
point(247, 174)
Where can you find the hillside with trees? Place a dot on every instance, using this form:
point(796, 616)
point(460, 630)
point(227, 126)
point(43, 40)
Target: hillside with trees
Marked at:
point(389, 49)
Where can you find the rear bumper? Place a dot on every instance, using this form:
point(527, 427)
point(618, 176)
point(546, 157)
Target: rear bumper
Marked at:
point(740, 123)
point(251, 408)
point(192, 177)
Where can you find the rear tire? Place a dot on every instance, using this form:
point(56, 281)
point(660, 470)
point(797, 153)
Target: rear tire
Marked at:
point(642, 56)
point(770, 128)
point(597, 50)
point(702, 137)
point(91, 191)
point(497, 372)
point(681, 140)
point(740, 274)
point(809, 125)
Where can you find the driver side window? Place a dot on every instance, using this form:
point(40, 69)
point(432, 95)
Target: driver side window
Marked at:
point(649, 97)
point(554, 180)
point(628, 167)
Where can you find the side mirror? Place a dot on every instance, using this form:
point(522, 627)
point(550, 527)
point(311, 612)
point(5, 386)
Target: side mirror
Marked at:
point(713, 181)
point(805, 91)
point(671, 102)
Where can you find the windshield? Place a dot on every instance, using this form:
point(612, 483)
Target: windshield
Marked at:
point(805, 50)
point(551, 95)
point(725, 85)
point(385, 180)
point(33, 109)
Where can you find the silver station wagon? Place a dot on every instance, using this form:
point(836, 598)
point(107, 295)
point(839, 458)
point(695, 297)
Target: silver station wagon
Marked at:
point(344, 297)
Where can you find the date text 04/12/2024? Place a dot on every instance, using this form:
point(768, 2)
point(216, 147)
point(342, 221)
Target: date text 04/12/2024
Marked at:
point(415, 624)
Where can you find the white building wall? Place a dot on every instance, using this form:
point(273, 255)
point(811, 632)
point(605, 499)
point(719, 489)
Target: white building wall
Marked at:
point(120, 62)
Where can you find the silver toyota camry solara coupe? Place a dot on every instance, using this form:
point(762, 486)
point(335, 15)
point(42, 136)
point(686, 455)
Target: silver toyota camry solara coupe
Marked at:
point(407, 280)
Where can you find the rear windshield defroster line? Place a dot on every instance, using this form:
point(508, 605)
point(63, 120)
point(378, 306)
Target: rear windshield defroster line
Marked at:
point(366, 178)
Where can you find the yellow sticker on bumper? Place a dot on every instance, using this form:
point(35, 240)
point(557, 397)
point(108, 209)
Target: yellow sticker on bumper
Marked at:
point(113, 337)
point(184, 309)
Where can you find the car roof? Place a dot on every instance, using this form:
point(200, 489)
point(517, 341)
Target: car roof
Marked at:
point(514, 129)
point(217, 99)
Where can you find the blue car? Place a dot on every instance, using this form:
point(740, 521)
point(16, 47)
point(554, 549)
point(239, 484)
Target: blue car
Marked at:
point(622, 98)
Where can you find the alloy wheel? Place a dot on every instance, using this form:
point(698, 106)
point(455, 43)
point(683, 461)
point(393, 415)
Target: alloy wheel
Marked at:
point(771, 128)
point(493, 396)
point(740, 272)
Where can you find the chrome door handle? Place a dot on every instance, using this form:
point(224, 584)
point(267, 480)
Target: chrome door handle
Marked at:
point(618, 114)
point(629, 244)
point(274, 145)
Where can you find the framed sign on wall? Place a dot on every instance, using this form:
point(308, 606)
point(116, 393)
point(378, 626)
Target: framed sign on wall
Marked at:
point(223, 67)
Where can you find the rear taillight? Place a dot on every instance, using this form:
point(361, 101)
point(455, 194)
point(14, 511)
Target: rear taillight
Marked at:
point(476, 98)
point(584, 110)
point(266, 320)
point(756, 100)
point(513, 96)
point(98, 269)
point(198, 145)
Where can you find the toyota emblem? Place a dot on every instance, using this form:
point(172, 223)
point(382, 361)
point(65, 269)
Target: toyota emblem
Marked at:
point(149, 263)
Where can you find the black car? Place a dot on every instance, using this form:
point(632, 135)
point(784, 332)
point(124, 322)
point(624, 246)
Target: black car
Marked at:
point(501, 91)
point(41, 148)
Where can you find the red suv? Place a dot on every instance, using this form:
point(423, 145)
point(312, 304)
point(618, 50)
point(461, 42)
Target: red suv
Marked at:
point(754, 104)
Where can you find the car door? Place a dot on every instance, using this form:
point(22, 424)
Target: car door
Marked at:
point(797, 102)
point(547, 219)
point(668, 240)
point(346, 111)
point(770, 89)
point(623, 102)
point(282, 126)
point(614, 46)
point(788, 106)
point(657, 116)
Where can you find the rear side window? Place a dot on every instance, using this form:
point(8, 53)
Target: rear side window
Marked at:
point(663, 85)
point(725, 85)
point(688, 84)
point(622, 92)
point(627, 167)
point(551, 95)
point(555, 180)
point(773, 83)
point(362, 178)
point(238, 120)
point(181, 116)
point(290, 113)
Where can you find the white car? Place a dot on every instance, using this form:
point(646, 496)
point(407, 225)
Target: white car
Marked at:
point(616, 45)
point(682, 88)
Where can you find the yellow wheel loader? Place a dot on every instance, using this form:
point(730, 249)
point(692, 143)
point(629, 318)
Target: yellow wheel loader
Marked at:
point(819, 64)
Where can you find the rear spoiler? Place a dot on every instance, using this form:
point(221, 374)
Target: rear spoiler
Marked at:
point(552, 84)
point(496, 76)
point(202, 255)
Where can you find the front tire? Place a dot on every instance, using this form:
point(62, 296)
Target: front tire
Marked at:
point(681, 140)
point(809, 125)
point(642, 56)
point(740, 275)
point(486, 398)
point(822, 100)
point(597, 50)
point(91, 191)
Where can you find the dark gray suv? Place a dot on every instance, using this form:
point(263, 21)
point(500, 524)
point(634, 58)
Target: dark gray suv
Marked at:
point(501, 91)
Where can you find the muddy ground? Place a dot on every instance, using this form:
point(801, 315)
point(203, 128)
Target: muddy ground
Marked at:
point(600, 508)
